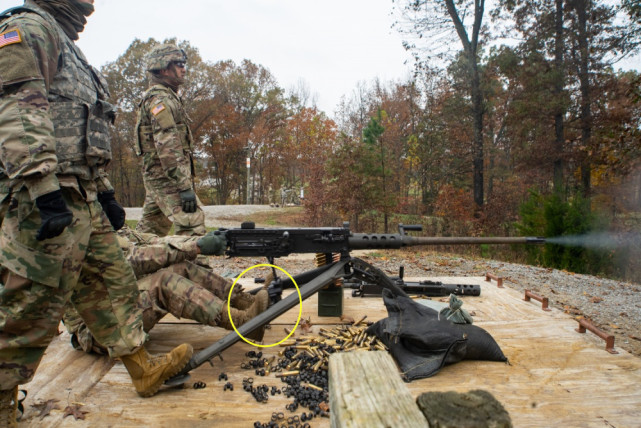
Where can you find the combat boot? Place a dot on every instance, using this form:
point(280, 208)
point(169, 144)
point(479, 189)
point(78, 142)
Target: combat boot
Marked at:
point(240, 317)
point(8, 406)
point(149, 372)
point(242, 300)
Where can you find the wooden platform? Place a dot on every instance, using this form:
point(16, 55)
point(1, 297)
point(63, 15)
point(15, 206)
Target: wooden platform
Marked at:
point(556, 376)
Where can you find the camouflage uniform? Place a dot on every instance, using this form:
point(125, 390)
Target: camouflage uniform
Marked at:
point(164, 141)
point(168, 282)
point(54, 135)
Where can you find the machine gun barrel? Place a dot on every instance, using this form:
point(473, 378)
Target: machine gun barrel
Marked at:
point(249, 241)
point(363, 241)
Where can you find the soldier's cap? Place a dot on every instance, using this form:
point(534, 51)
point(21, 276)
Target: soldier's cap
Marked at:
point(162, 55)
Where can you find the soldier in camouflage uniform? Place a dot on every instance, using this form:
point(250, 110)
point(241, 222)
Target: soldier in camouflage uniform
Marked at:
point(165, 143)
point(57, 239)
point(169, 282)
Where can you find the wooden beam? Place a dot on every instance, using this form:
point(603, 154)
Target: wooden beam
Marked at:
point(366, 390)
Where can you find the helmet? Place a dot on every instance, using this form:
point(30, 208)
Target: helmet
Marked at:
point(162, 55)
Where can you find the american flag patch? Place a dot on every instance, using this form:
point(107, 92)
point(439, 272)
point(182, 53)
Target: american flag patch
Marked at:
point(160, 107)
point(10, 37)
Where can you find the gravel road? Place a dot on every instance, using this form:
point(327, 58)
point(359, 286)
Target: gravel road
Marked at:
point(215, 215)
point(613, 306)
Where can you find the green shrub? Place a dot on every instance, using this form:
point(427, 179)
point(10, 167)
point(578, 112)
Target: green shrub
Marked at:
point(563, 221)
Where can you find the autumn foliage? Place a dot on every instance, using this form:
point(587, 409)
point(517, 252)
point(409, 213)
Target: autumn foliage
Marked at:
point(406, 151)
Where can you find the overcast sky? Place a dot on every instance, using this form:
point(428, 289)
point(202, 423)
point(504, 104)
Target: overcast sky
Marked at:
point(330, 45)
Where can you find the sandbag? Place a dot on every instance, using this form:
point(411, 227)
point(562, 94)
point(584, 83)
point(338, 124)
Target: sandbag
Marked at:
point(422, 344)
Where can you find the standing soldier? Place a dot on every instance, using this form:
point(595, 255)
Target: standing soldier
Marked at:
point(164, 141)
point(57, 239)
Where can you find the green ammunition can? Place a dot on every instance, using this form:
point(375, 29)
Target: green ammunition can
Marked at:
point(330, 301)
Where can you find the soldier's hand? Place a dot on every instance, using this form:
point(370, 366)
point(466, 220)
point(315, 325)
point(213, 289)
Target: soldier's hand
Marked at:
point(114, 211)
point(212, 244)
point(188, 198)
point(54, 214)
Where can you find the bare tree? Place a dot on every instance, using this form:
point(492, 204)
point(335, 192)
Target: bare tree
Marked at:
point(432, 26)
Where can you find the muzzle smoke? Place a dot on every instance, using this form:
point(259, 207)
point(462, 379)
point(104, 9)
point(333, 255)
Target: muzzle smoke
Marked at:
point(601, 240)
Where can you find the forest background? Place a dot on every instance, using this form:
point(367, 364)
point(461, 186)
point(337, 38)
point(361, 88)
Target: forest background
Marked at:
point(538, 136)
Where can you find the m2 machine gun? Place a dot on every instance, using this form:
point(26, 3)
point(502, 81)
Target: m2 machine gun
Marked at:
point(332, 245)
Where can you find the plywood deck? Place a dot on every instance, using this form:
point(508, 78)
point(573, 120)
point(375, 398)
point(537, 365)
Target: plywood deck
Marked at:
point(556, 376)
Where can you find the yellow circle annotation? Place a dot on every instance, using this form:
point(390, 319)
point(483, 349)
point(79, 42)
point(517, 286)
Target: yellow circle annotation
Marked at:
point(300, 306)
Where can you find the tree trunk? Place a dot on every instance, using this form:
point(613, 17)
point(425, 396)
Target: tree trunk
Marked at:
point(559, 47)
point(477, 111)
point(639, 192)
point(470, 50)
point(584, 81)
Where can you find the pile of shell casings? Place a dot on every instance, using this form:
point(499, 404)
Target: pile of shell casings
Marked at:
point(304, 361)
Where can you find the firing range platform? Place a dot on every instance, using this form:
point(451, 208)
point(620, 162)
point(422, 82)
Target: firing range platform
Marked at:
point(555, 376)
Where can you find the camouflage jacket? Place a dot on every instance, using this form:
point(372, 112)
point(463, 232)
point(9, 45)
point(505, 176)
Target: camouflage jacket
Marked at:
point(148, 253)
point(165, 140)
point(53, 115)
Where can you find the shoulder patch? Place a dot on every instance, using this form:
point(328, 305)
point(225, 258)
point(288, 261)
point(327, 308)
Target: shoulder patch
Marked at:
point(17, 60)
point(156, 110)
point(10, 37)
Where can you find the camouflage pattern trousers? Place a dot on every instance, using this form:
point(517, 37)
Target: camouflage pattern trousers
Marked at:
point(184, 289)
point(163, 206)
point(84, 266)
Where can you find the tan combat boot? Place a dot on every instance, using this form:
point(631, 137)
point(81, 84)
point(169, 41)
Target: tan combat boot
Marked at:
point(242, 300)
point(240, 317)
point(8, 406)
point(149, 372)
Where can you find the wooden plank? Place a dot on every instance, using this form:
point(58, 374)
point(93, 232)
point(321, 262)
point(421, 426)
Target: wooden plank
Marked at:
point(65, 375)
point(556, 376)
point(113, 401)
point(364, 386)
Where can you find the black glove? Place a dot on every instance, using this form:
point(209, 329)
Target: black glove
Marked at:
point(111, 207)
point(212, 244)
point(188, 198)
point(54, 214)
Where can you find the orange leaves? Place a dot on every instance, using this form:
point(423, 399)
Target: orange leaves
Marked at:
point(455, 203)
